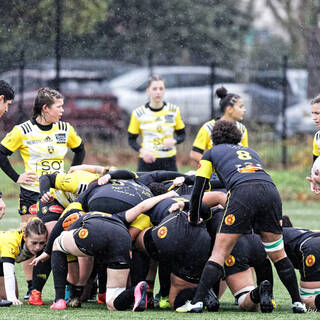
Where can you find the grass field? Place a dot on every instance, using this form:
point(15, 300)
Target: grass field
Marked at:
point(304, 214)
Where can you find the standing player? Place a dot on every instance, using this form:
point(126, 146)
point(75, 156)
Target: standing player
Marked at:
point(232, 109)
point(6, 98)
point(43, 143)
point(161, 128)
point(253, 203)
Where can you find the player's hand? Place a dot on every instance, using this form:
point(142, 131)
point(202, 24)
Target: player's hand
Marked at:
point(104, 179)
point(76, 168)
point(47, 197)
point(170, 194)
point(2, 208)
point(314, 182)
point(27, 178)
point(177, 182)
point(16, 302)
point(169, 143)
point(178, 206)
point(43, 257)
point(147, 155)
point(194, 223)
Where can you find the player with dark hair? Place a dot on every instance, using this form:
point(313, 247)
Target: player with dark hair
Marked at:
point(17, 246)
point(161, 127)
point(43, 143)
point(253, 203)
point(232, 109)
point(6, 98)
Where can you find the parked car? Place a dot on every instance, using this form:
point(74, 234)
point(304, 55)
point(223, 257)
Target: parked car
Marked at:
point(265, 88)
point(186, 86)
point(298, 120)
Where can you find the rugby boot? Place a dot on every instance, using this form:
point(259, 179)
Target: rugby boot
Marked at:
point(140, 296)
point(5, 303)
point(299, 307)
point(73, 302)
point(164, 303)
point(189, 307)
point(59, 305)
point(211, 301)
point(101, 298)
point(28, 294)
point(265, 292)
point(35, 298)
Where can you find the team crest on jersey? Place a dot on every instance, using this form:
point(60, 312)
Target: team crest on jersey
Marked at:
point(33, 209)
point(61, 137)
point(24, 209)
point(310, 260)
point(230, 261)
point(229, 220)
point(44, 210)
point(162, 232)
point(83, 233)
point(50, 149)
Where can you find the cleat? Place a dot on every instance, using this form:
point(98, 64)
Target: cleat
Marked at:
point(35, 298)
point(101, 298)
point(28, 294)
point(164, 303)
point(211, 301)
point(189, 307)
point(73, 302)
point(140, 296)
point(274, 303)
point(5, 303)
point(299, 307)
point(265, 292)
point(59, 305)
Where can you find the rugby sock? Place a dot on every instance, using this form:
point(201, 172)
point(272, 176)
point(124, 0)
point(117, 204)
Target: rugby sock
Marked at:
point(102, 280)
point(124, 300)
point(40, 274)
point(76, 291)
point(29, 282)
point(211, 274)
point(317, 302)
point(264, 272)
point(164, 279)
point(183, 296)
point(59, 267)
point(288, 277)
point(255, 296)
point(140, 267)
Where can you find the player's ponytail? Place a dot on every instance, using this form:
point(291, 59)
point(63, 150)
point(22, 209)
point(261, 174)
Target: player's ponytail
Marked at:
point(226, 99)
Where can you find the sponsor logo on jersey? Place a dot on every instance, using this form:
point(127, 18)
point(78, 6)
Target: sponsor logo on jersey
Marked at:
point(56, 209)
point(169, 118)
point(48, 139)
point(61, 137)
point(162, 232)
point(230, 261)
point(33, 209)
point(31, 142)
point(83, 233)
point(310, 260)
point(229, 220)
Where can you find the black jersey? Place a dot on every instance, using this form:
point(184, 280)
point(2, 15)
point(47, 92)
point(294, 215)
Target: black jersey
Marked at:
point(233, 164)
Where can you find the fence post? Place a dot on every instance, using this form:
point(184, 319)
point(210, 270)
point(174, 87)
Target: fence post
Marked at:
point(58, 43)
point(212, 81)
point(21, 87)
point(283, 111)
point(150, 62)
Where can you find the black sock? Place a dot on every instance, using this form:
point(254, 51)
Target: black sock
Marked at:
point(216, 288)
point(211, 274)
point(102, 280)
point(29, 282)
point(264, 272)
point(183, 296)
point(317, 302)
point(164, 279)
point(255, 296)
point(40, 274)
point(288, 277)
point(140, 267)
point(124, 300)
point(59, 267)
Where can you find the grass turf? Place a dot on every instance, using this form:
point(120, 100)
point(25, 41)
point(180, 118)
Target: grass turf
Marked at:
point(302, 214)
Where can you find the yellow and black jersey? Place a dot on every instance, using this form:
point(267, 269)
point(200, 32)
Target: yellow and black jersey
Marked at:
point(42, 151)
point(68, 186)
point(155, 127)
point(203, 141)
point(316, 144)
point(12, 247)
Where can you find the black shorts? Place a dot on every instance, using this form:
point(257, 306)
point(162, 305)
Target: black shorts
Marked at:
point(181, 246)
point(310, 266)
point(109, 242)
point(108, 205)
point(28, 202)
point(49, 212)
point(248, 252)
point(168, 164)
point(253, 205)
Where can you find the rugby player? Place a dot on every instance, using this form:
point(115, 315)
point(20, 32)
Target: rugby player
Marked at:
point(253, 203)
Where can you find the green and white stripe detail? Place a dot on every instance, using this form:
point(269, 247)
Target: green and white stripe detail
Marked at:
point(305, 293)
point(273, 246)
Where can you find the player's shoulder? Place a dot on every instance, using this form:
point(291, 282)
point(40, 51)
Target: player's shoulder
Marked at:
point(171, 107)
point(63, 126)
point(25, 127)
point(317, 137)
point(209, 125)
point(139, 111)
point(241, 126)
